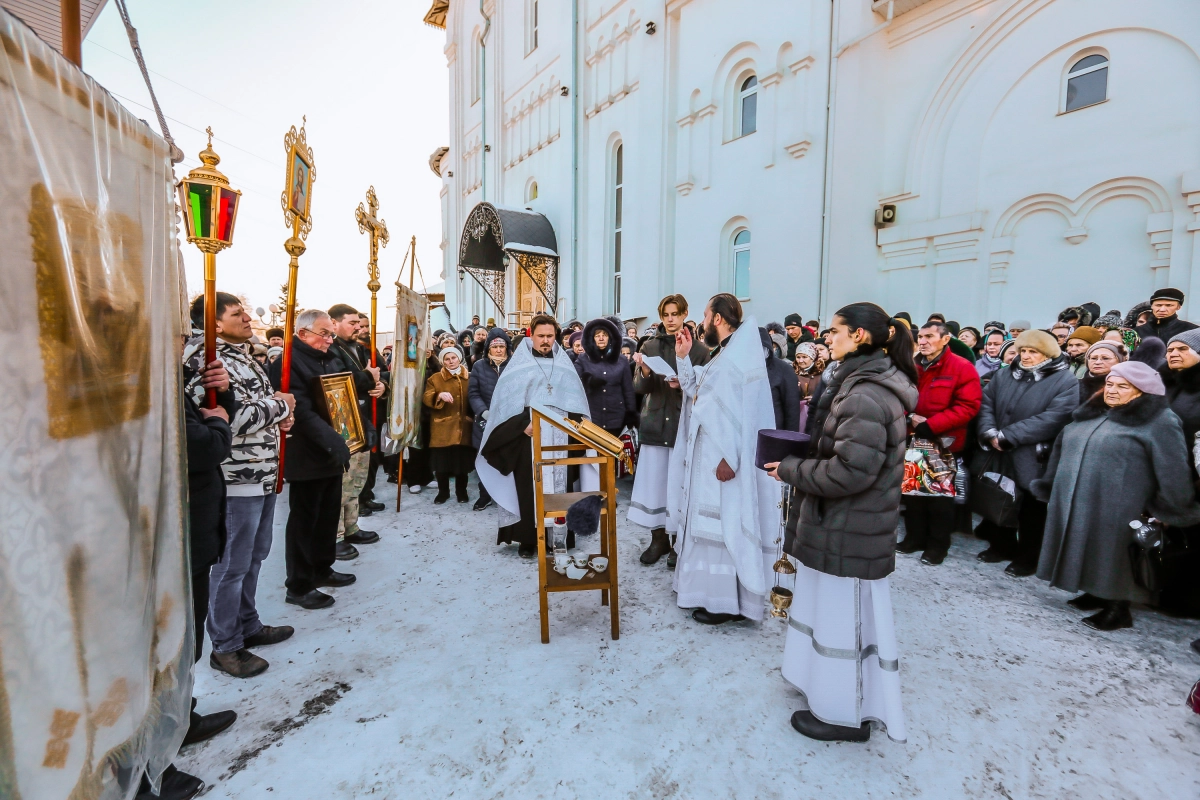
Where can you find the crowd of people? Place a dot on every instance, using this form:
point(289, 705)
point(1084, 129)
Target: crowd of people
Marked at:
point(1067, 442)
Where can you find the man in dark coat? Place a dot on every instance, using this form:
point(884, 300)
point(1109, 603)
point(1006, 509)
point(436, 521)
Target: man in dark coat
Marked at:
point(662, 402)
point(485, 374)
point(315, 461)
point(1165, 322)
point(366, 498)
point(796, 333)
point(606, 378)
point(785, 390)
point(949, 396)
point(1024, 408)
point(1181, 377)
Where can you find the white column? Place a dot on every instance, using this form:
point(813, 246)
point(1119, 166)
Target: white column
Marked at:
point(768, 115)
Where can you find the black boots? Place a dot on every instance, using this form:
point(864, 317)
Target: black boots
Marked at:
point(460, 489)
point(910, 545)
point(706, 617)
point(443, 482)
point(1114, 616)
point(1018, 569)
point(813, 728)
point(660, 545)
point(345, 551)
point(1086, 602)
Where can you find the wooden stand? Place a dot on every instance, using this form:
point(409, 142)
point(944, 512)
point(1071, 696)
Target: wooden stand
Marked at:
point(556, 505)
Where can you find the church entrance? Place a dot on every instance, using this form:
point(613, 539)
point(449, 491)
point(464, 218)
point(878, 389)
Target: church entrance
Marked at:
point(513, 255)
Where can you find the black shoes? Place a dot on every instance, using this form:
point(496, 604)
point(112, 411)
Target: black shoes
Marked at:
point(336, 579)
point(175, 785)
point(270, 634)
point(527, 550)
point(441, 498)
point(1019, 570)
point(931, 558)
point(660, 545)
point(813, 728)
point(706, 617)
point(345, 551)
point(1086, 602)
point(239, 664)
point(206, 726)
point(371, 505)
point(992, 556)
point(462, 498)
point(909, 545)
point(1114, 616)
point(672, 557)
point(361, 537)
point(482, 503)
point(311, 601)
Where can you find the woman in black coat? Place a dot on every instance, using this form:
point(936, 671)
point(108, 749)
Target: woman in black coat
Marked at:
point(485, 374)
point(606, 376)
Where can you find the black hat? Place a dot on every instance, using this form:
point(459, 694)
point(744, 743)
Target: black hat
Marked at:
point(904, 315)
point(953, 326)
point(1167, 294)
point(1094, 308)
point(776, 445)
point(792, 319)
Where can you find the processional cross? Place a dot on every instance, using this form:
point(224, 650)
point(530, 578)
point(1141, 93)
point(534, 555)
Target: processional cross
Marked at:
point(369, 223)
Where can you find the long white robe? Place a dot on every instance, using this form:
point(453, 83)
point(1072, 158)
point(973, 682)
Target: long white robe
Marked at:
point(728, 530)
point(648, 502)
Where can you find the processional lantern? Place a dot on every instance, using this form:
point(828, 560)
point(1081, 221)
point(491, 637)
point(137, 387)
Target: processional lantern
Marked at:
point(210, 208)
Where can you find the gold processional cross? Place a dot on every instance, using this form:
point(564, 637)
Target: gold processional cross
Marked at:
point(368, 222)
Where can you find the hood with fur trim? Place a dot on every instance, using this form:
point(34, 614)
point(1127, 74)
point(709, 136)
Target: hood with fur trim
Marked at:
point(610, 353)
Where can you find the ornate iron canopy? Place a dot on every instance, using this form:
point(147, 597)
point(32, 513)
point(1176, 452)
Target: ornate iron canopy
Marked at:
point(494, 236)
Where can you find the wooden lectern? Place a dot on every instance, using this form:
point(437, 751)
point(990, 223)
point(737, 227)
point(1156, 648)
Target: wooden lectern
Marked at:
point(581, 437)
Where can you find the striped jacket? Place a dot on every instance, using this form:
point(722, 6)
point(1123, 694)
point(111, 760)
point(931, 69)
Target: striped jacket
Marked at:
point(251, 468)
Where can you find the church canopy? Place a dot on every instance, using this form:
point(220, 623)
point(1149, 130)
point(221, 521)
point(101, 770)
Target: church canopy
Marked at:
point(495, 237)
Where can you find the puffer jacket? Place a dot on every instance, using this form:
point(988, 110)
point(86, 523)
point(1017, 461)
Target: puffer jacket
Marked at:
point(658, 423)
point(1027, 408)
point(607, 379)
point(846, 496)
point(254, 461)
point(484, 377)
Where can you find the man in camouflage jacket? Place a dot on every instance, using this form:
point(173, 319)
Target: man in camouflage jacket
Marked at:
point(250, 472)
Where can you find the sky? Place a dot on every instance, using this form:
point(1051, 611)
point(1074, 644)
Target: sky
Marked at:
point(371, 78)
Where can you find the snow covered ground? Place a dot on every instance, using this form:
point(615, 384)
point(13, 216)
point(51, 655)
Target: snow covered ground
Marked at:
point(428, 679)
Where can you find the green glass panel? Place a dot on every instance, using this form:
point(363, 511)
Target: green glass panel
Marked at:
point(200, 200)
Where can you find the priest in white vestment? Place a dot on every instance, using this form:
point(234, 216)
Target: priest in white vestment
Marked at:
point(726, 508)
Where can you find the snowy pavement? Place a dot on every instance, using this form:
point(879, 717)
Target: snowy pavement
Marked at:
point(428, 679)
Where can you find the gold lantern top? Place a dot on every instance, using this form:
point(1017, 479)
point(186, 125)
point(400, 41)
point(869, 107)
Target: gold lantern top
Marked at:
point(209, 204)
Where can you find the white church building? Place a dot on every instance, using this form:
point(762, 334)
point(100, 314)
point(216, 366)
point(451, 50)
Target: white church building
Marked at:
point(989, 159)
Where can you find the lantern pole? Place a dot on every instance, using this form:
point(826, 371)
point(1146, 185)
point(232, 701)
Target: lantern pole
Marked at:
point(296, 200)
point(210, 320)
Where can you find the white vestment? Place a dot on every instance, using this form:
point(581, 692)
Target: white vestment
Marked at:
point(841, 651)
point(728, 530)
point(648, 503)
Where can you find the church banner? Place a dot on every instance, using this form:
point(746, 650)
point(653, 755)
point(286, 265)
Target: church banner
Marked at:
point(408, 366)
point(95, 601)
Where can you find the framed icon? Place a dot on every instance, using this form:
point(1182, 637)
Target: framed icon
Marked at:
point(337, 403)
point(412, 342)
point(299, 194)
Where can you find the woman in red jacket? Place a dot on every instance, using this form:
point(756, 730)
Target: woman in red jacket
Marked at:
point(949, 396)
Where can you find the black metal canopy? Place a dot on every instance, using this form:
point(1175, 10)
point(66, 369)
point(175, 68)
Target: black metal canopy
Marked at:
point(493, 237)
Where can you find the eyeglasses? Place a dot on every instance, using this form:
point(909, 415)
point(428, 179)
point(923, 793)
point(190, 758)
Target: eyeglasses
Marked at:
point(328, 336)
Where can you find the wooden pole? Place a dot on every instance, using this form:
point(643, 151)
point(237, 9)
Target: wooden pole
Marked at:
point(210, 321)
point(72, 33)
point(295, 248)
point(412, 264)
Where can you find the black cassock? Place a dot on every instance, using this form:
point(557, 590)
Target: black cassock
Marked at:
point(510, 452)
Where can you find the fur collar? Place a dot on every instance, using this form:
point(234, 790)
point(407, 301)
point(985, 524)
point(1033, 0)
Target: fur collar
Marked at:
point(1039, 371)
point(1134, 414)
point(610, 352)
point(1186, 379)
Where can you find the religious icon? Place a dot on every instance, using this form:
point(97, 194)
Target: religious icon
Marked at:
point(299, 184)
point(412, 341)
point(338, 405)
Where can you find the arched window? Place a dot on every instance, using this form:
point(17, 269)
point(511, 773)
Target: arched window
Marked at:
point(748, 106)
point(618, 211)
point(531, 192)
point(1087, 82)
point(741, 264)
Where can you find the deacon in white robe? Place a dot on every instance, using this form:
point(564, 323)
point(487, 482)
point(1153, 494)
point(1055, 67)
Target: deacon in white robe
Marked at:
point(726, 508)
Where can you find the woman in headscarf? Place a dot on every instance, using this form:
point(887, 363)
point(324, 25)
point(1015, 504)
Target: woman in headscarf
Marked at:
point(1127, 431)
point(450, 450)
point(1100, 359)
point(989, 360)
point(808, 365)
point(485, 374)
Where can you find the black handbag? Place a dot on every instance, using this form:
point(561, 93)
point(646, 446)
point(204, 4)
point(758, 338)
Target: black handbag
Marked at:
point(1153, 552)
point(989, 496)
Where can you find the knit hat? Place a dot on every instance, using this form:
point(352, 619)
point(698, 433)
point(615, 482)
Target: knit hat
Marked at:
point(792, 319)
point(451, 347)
point(1041, 341)
point(1108, 321)
point(1143, 377)
point(1190, 338)
point(994, 325)
point(1086, 333)
point(273, 352)
point(1167, 294)
point(1023, 324)
point(1116, 348)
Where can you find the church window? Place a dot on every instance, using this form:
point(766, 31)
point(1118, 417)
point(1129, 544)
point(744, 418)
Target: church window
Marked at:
point(748, 106)
point(741, 264)
point(531, 26)
point(1087, 82)
point(618, 211)
point(531, 193)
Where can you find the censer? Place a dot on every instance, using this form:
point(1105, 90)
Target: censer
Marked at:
point(781, 596)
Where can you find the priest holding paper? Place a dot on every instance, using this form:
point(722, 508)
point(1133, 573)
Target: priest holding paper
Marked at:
point(726, 508)
point(538, 374)
point(655, 380)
